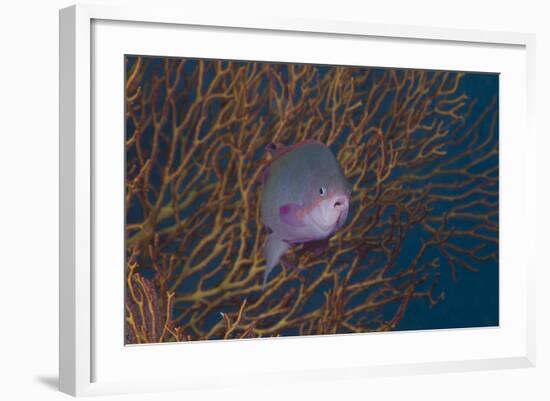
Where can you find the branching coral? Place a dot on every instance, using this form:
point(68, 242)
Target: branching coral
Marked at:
point(425, 194)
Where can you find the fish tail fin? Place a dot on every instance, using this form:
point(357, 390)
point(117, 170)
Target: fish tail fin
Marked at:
point(266, 274)
point(274, 249)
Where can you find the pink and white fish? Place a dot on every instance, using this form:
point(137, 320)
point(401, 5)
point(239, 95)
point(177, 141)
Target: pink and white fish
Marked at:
point(305, 198)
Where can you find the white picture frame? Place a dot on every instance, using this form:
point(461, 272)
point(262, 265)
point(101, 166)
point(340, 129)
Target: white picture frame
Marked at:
point(80, 342)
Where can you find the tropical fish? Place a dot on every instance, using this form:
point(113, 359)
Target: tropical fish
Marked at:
point(305, 199)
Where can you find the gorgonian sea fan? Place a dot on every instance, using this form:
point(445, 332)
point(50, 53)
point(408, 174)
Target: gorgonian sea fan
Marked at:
point(419, 153)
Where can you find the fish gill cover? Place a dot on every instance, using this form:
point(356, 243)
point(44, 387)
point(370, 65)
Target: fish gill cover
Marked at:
point(419, 249)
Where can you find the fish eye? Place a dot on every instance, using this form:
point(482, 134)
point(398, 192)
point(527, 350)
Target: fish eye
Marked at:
point(322, 191)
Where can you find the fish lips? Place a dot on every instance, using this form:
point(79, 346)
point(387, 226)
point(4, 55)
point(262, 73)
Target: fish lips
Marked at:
point(337, 203)
point(343, 217)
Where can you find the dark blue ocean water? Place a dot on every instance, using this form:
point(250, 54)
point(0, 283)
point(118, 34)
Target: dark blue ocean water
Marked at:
point(472, 300)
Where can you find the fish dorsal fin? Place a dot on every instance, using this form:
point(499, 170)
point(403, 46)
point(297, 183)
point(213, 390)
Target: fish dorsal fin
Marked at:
point(273, 148)
point(278, 150)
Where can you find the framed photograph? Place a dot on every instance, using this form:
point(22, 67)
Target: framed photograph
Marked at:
point(250, 199)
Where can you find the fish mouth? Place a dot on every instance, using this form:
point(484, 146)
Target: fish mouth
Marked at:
point(330, 214)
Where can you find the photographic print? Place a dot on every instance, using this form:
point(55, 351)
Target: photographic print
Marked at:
point(270, 199)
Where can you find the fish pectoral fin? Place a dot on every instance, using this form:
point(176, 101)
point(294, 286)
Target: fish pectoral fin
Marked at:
point(291, 214)
point(274, 249)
